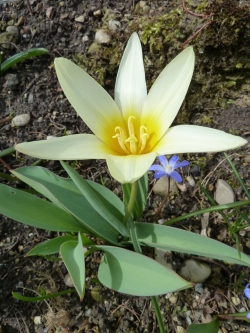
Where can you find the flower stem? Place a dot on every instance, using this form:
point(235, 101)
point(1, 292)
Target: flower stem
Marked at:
point(128, 220)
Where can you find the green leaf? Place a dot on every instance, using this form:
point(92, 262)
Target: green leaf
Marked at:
point(95, 200)
point(53, 245)
point(141, 196)
point(135, 274)
point(41, 298)
point(64, 193)
point(29, 209)
point(211, 327)
point(178, 240)
point(21, 57)
point(73, 258)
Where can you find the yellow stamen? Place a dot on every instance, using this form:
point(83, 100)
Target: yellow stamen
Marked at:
point(121, 138)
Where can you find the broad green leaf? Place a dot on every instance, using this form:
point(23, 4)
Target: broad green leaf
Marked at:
point(29, 209)
point(178, 240)
point(73, 258)
point(141, 197)
point(21, 57)
point(53, 245)
point(211, 327)
point(41, 298)
point(64, 193)
point(135, 274)
point(94, 200)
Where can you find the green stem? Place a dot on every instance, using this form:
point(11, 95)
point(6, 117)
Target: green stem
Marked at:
point(128, 220)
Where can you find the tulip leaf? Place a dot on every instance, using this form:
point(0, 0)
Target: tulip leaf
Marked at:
point(41, 298)
point(95, 200)
point(29, 209)
point(73, 258)
point(135, 274)
point(64, 193)
point(178, 240)
point(141, 196)
point(211, 327)
point(21, 57)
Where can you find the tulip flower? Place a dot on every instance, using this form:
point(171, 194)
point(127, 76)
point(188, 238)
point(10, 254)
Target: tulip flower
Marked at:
point(130, 131)
point(167, 168)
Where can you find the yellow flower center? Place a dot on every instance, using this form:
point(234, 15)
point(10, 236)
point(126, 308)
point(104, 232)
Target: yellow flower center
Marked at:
point(131, 145)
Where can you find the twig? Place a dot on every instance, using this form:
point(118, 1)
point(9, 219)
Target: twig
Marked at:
point(5, 120)
point(195, 34)
point(5, 164)
point(164, 200)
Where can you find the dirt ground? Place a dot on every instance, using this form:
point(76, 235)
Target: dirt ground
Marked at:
point(218, 97)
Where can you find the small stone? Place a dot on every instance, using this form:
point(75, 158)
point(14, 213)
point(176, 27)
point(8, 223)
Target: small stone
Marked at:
point(68, 281)
point(87, 313)
point(6, 38)
point(19, 284)
point(236, 300)
point(13, 30)
point(180, 329)
point(247, 159)
point(37, 320)
point(161, 186)
point(114, 25)
point(224, 194)
point(21, 120)
point(62, 3)
point(20, 248)
point(97, 13)
point(195, 271)
point(85, 38)
point(173, 299)
point(40, 120)
point(80, 19)
point(50, 12)
point(30, 98)
point(198, 288)
point(64, 16)
point(102, 37)
point(164, 257)
point(142, 3)
point(12, 81)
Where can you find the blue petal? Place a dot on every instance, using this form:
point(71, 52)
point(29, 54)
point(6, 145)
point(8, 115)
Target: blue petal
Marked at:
point(156, 167)
point(176, 176)
point(247, 291)
point(248, 315)
point(160, 174)
point(173, 160)
point(163, 160)
point(181, 164)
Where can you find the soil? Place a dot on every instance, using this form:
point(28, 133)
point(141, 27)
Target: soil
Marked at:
point(218, 97)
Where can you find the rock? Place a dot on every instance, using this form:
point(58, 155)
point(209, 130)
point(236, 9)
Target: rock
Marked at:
point(173, 299)
point(114, 25)
point(80, 19)
point(12, 81)
point(224, 193)
point(30, 98)
point(85, 38)
point(236, 301)
point(247, 159)
point(37, 320)
point(68, 281)
point(50, 12)
point(161, 186)
point(164, 257)
point(194, 271)
point(97, 13)
point(13, 30)
point(102, 37)
point(6, 38)
point(87, 313)
point(180, 329)
point(21, 120)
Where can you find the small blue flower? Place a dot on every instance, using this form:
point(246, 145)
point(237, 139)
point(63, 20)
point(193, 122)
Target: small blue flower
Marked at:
point(248, 315)
point(247, 292)
point(167, 168)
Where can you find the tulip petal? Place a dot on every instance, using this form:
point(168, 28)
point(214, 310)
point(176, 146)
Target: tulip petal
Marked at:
point(127, 169)
point(130, 88)
point(93, 104)
point(72, 147)
point(196, 139)
point(167, 94)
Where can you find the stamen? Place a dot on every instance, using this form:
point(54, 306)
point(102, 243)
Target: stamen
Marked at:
point(121, 138)
point(143, 138)
point(132, 139)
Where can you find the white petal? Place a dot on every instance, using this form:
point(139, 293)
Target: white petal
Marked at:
point(196, 139)
point(167, 93)
point(72, 147)
point(130, 88)
point(93, 104)
point(127, 169)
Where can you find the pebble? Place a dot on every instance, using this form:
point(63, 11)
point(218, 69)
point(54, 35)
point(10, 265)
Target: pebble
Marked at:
point(80, 19)
point(247, 159)
point(37, 320)
point(12, 81)
point(6, 38)
point(85, 38)
point(224, 193)
point(114, 25)
point(50, 12)
point(180, 329)
point(13, 30)
point(87, 313)
point(102, 37)
point(198, 288)
point(68, 281)
point(21, 120)
point(164, 257)
point(161, 186)
point(97, 13)
point(30, 98)
point(173, 299)
point(236, 301)
point(19, 284)
point(195, 271)
point(40, 120)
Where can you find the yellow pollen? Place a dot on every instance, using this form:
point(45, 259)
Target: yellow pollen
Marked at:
point(132, 145)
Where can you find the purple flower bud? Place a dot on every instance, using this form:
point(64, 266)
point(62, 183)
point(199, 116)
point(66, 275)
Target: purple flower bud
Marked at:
point(247, 293)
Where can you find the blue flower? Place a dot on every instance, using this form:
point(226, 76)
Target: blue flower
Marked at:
point(248, 315)
point(247, 291)
point(167, 168)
